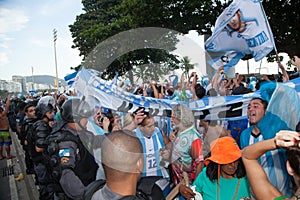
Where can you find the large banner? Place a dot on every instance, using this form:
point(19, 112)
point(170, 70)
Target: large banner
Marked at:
point(102, 93)
point(241, 29)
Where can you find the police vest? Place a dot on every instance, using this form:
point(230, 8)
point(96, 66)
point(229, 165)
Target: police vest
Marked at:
point(85, 168)
point(26, 128)
point(37, 137)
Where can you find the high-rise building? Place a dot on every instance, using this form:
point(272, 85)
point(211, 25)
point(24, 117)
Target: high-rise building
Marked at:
point(20, 79)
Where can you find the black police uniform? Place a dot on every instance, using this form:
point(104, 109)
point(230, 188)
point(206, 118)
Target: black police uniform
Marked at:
point(74, 167)
point(26, 129)
point(37, 138)
point(41, 130)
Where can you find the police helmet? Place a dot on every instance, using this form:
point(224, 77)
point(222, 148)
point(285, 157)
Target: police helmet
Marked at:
point(42, 109)
point(47, 100)
point(73, 110)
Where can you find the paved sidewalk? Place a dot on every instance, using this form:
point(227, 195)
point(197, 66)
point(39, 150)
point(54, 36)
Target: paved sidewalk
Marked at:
point(10, 169)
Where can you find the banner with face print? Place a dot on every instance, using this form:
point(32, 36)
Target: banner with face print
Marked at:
point(243, 28)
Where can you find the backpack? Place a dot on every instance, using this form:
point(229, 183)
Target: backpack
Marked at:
point(98, 184)
point(26, 128)
point(85, 168)
point(39, 129)
point(30, 137)
point(52, 151)
point(149, 188)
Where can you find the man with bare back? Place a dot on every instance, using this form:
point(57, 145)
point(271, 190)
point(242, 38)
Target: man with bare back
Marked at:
point(5, 139)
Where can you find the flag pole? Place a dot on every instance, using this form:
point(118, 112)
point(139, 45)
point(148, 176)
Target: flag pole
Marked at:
point(271, 35)
point(269, 30)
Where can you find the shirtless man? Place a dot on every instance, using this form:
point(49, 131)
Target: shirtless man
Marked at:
point(5, 139)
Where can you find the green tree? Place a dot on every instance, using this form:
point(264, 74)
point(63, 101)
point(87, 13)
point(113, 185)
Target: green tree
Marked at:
point(186, 65)
point(103, 19)
point(284, 17)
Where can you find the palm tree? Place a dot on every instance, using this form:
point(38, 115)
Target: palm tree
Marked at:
point(186, 65)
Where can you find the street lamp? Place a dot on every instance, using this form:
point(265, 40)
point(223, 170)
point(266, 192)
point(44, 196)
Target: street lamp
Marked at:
point(32, 77)
point(54, 40)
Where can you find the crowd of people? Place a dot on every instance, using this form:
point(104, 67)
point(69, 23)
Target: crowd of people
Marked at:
point(76, 150)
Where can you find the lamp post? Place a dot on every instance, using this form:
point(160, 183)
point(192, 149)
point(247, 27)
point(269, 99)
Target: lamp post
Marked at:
point(32, 77)
point(54, 40)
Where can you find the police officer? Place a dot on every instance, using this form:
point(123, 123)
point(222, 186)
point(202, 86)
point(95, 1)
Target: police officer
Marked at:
point(37, 144)
point(73, 165)
point(26, 127)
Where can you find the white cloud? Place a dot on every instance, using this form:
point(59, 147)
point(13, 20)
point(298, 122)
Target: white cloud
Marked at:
point(26, 37)
point(3, 59)
point(12, 20)
point(4, 39)
point(54, 7)
point(40, 42)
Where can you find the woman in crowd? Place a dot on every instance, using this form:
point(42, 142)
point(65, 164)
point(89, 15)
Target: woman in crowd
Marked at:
point(186, 147)
point(224, 176)
point(260, 185)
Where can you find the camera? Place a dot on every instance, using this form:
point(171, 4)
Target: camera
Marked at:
point(145, 110)
point(164, 163)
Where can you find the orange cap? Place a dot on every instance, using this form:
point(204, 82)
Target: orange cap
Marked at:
point(224, 150)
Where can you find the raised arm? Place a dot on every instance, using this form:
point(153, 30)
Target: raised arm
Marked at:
point(217, 78)
point(153, 86)
point(182, 84)
point(7, 105)
point(285, 76)
point(162, 91)
point(296, 62)
point(193, 86)
point(257, 177)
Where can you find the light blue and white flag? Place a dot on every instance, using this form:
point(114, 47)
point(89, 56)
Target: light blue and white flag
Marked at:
point(234, 107)
point(115, 80)
point(70, 78)
point(229, 59)
point(283, 111)
point(242, 28)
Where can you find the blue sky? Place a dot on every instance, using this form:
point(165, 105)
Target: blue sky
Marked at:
point(26, 37)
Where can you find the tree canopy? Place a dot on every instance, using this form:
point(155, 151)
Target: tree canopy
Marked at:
point(103, 19)
point(284, 17)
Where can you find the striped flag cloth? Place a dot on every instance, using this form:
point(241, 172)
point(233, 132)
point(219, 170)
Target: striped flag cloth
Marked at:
point(241, 29)
point(70, 78)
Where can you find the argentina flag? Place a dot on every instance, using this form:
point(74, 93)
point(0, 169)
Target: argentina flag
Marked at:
point(243, 29)
point(70, 78)
point(229, 59)
point(283, 111)
point(284, 101)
